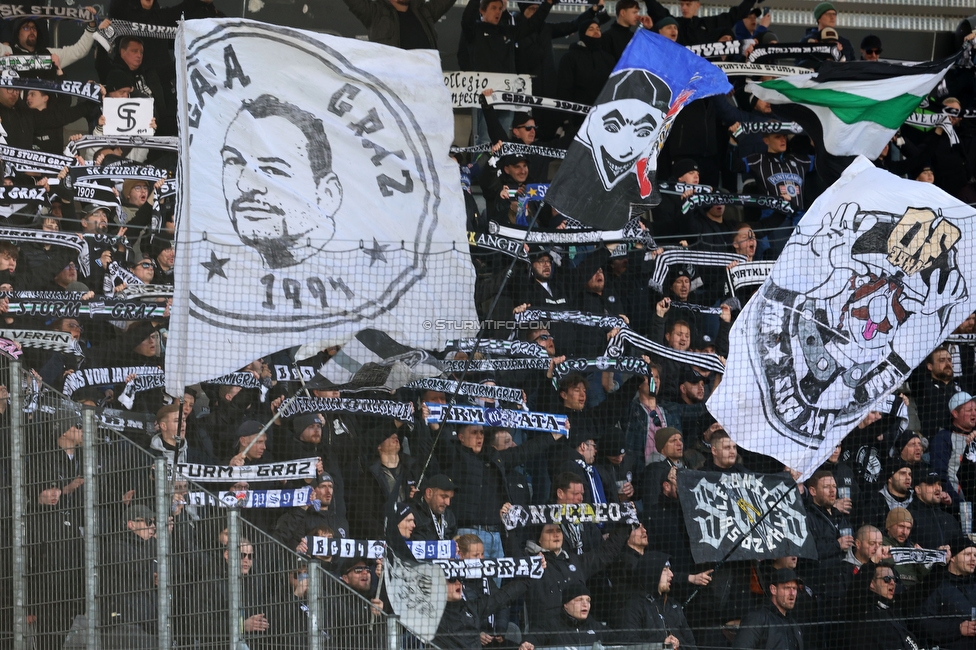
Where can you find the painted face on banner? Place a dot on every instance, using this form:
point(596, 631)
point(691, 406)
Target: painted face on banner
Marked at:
point(626, 125)
point(305, 167)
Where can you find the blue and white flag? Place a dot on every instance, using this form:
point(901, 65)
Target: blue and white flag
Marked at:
point(876, 276)
point(612, 163)
point(253, 498)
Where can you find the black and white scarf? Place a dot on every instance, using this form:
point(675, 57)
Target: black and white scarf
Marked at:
point(115, 272)
point(698, 309)
point(631, 365)
point(498, 347)
point(30, 161)
point(105, 376)
point(630, 232)
point(165, 143)
point(127, 170)
point(514, 148)
point(575, 513)
point(76, 14)
point(373, 549)
point(911, 555)
point(242, 379)
point(290, 470)
point(681, 188)
point(504, 245)
point(766, 127)
point(737, 69)
point(493, 417)
point(140, 384)
point(571, 316)
point(107, 36)
point(748, 274)
point(23, 194)
point(768, 202)
point(402, 411)
point(793, 49)
point(85, 90)
point(716, 50)
point(104, 309)
point(518, 99)
point(675, 256)
point(44, 340)
point(468, 389)
point(500, 567)
point(252, 498)
point(704, 360)
point(492, 365)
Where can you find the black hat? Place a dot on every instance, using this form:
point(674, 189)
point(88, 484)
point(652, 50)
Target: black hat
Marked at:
point(895, 465)
point(613, 444)
point(960, 543)
point(136, 334)
point(871, 41)
point(87, 394)
point(931, 478)
point(585, 25)
point(703, 341)
point(683, 166)
point(400, 512)
point(537, 251)
point(768, 37)
point(139, 512)
point(649, 569)
point(664, 22)
point(690, 376)
point(322, 478)
point(513, 159)
point(521, 117)
point(119, 79)
point(305, 420)
point(318, 382)
point(574, 590)
point(784, 575)
point(902, 441)
point(680, 271)
point(248, 428)
point(347, 564)
point(440, 482)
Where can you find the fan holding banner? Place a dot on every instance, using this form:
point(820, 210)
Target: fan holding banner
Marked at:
point(612, 163)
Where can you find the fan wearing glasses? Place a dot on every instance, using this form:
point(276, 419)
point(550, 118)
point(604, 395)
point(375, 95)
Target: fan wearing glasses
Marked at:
point(876, 622)
point(871, 48)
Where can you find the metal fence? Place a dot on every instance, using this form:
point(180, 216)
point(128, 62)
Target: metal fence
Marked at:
point(102, 547)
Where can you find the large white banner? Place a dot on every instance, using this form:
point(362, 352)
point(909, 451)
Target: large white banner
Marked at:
point(880, 270)
point(317, 196)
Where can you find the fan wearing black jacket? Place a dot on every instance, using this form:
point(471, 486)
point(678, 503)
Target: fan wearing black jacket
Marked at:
point(653, 616)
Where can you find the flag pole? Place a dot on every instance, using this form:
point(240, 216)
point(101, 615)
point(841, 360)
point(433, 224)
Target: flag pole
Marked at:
point(474, 351)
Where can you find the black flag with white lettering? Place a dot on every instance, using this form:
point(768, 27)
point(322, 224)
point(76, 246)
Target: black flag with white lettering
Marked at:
point(721, 511)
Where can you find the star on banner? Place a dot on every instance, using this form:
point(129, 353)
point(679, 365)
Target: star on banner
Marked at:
point(215, 266)
point(377, 252)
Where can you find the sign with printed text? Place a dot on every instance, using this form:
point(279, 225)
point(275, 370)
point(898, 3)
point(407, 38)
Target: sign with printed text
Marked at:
point(465, 87)
point(127, 115)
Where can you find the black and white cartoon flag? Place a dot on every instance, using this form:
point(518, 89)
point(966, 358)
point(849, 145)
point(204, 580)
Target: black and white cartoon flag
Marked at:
point(317, 199)
point(721, 509)
point(876, 275)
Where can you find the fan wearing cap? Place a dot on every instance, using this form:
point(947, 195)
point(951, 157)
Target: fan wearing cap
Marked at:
point(654, 616)
point(573, 626)
point(307, 440)
point(826, 16)
point(933, 527)
point(694, 29)
point(950, 445)
point(515, 175)
point(669, 221)
point(898, 534)
point(873, 505)
point(51, 114)
point(586, 66)
point(871, 48)
point(356, 619)
point(435, 519)
point(945, 619)
point(773, 625)
point(617, 465)
point(297, 523)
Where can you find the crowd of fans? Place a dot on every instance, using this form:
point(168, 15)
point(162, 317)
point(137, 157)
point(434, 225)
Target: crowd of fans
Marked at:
point(894, 482)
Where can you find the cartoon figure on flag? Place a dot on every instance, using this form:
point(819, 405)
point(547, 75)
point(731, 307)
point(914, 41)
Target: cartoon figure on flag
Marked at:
point(870, 283)
point(612, 163)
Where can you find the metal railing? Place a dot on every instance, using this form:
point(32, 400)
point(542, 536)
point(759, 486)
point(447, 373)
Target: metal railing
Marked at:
point(101, 549)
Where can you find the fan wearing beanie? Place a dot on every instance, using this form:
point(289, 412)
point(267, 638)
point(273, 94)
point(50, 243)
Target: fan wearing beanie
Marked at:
point(573, 626)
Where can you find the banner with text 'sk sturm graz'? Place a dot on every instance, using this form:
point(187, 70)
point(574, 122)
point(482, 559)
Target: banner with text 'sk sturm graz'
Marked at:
point(317, 198)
